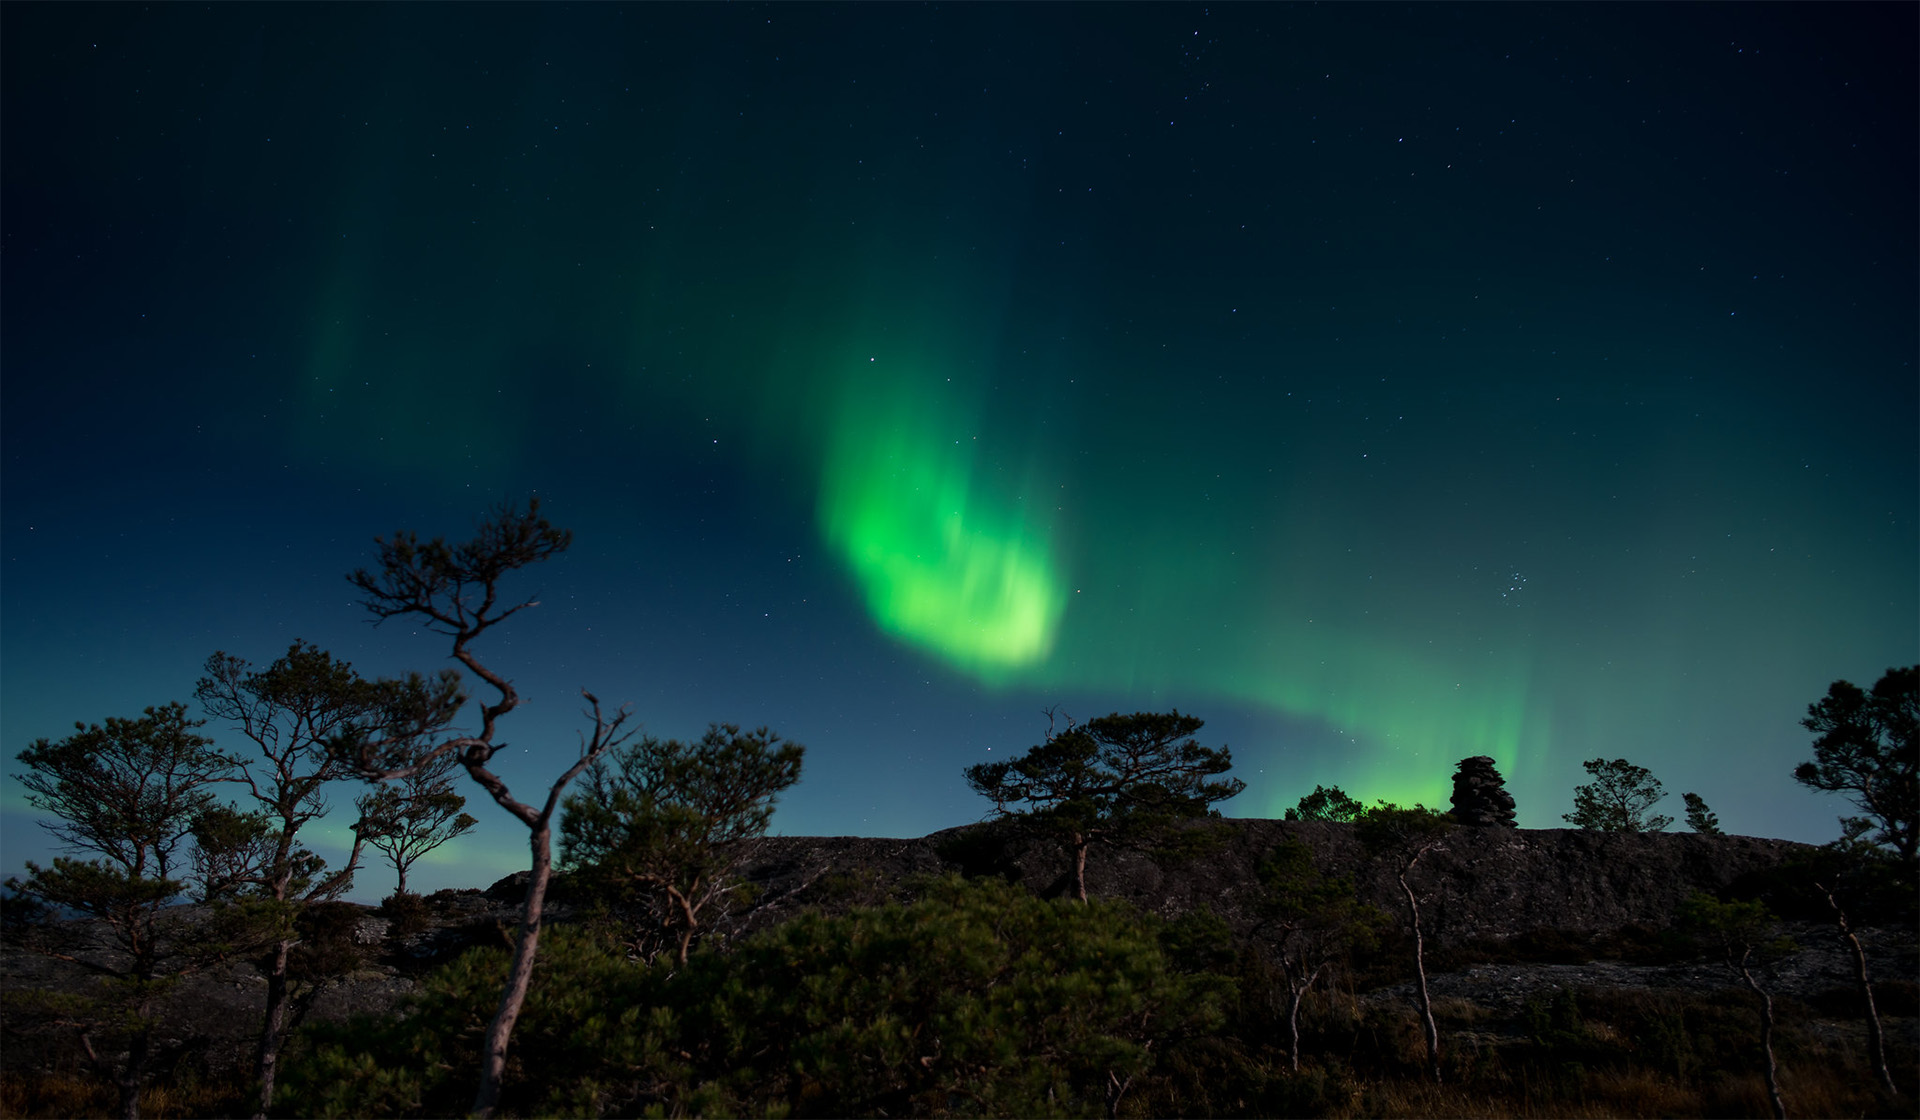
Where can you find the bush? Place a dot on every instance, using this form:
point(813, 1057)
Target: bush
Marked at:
point(406, 915)
point(978, 998)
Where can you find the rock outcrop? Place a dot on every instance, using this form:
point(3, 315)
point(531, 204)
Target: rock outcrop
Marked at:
point(1480, 797)
point(1483, 886)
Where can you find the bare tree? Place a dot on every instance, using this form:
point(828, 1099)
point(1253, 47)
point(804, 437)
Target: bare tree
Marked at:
point(1312, 921)
point(1741, 931)
point(1406, 836)
point(455, 591)
point(1856, 867)
point(291, 711)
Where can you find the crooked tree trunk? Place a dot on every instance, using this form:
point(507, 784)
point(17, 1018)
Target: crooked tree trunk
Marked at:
point(690, 922)
point(135, 1071)
point(1420, 969)
point(1116, 1089)
point(1298, 992)
point(1079, 867)
point(272, 1032)
point(1766, 1039)
point(493, 1059)
point(1875, 1039)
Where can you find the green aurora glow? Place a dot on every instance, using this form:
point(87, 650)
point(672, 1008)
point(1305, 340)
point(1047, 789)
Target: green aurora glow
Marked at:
point(941, 565)
point(1287, 372)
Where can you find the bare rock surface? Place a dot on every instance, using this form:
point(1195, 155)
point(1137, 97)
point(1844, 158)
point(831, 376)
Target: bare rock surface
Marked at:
point(1485, 883)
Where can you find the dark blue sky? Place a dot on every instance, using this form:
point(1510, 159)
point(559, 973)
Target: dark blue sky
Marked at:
point(1384, 384)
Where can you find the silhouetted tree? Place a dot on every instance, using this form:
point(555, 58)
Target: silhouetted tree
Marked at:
point(1326, 803)
point(412, 816)
point(1741, 932)
point(291, 711)
point(672, 819)
point(1869, 749)
point(1405, 837)
point(1480, 797)
point(1113, 778)
point(1311, 921)
point(1700, 818)
point(1618, 798)
point(454, 590)
point(128, 792)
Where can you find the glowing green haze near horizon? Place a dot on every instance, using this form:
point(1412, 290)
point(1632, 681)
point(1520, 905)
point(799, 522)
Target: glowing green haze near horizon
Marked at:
point(904, 371)
point(1126, 586)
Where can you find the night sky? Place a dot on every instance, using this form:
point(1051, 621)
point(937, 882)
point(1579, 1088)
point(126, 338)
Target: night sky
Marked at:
point(1383, 384)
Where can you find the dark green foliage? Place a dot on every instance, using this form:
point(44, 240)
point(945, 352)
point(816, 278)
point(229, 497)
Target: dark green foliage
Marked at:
point(127, 791)
point(328, 944)
point(1326, 803)
point(1118, 779)
point(982, 849)
point(1554, 1022)
point(130, 793)
point(406, 915)
point(1387, 829)
point(1743, 934)
point(1312, 922)
point(1735, 929)
point(1869, 749)
point(1700, 818)
point(1618, 799)
point(1563, 1047)
point(976, 999)
point(667, 821)
point(293, 711)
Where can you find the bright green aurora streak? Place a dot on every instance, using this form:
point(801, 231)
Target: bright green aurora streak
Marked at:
point(940, 563)
point(954, 559)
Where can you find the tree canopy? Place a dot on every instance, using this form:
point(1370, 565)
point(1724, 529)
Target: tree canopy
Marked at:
point(129, 793)
point(1700, 818)
point(413, 815)
point(1326, 803)
point(1869, 750)
point(1619, 799)
point(975, 998)
point(669, 818)
point(129, 790)
point(1118, 777)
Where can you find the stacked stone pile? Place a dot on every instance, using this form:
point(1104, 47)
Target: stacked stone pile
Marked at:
point(1480, 798)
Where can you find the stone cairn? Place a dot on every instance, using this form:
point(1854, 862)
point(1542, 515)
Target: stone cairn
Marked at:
point(1480, 797)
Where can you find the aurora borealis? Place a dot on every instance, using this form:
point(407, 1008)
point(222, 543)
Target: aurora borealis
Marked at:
point(1383, 384)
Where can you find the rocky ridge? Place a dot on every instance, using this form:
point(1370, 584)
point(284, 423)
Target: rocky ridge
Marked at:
point(1569, 907)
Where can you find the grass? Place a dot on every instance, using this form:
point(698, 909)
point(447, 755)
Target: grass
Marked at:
point(73, 1094)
